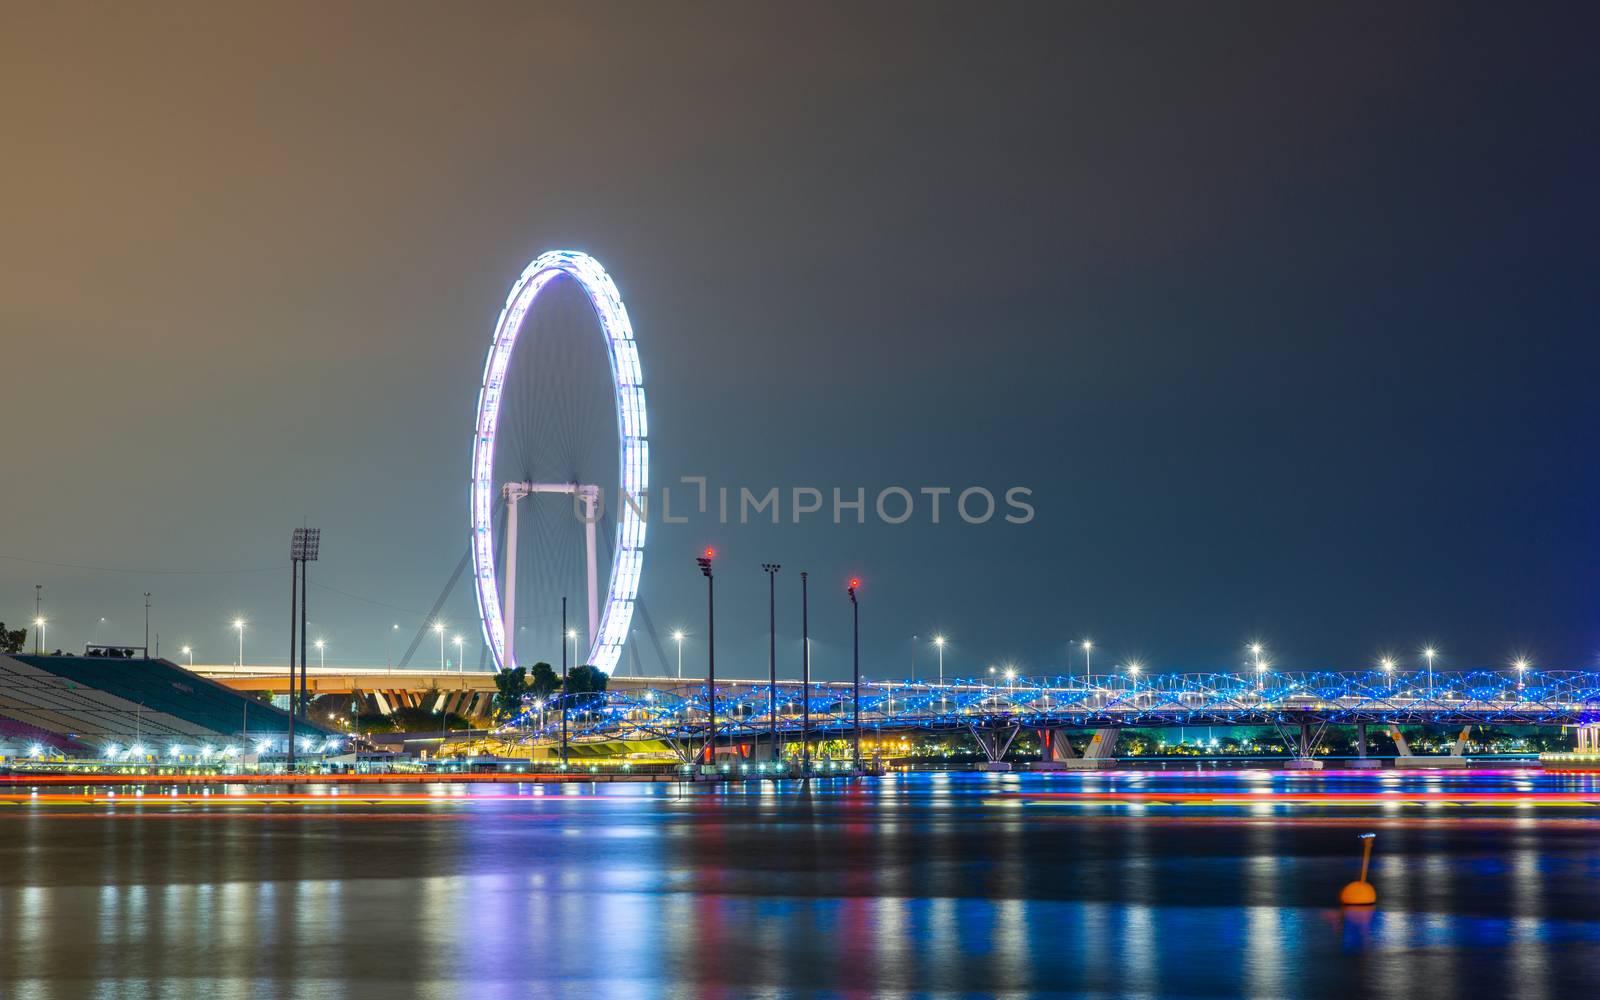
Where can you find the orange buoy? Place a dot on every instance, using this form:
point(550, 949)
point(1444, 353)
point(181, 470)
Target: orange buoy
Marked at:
point(1360, 892)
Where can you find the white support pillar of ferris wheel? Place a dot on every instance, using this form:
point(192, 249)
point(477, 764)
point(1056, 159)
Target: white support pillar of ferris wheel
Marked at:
point(509, 622)
point(590, 496)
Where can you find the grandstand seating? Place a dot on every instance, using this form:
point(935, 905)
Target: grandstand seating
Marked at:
point(20, 734)
point(105, 699)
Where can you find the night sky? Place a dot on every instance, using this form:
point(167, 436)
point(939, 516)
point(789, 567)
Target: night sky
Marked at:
point(1285, 313)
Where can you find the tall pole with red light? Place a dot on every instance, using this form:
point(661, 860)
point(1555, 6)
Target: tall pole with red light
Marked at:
point(711, 656)
point(855, 641)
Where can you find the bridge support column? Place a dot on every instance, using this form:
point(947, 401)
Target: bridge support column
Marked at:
point(1099, 755)
point(1409, 759)
point(1362, 761)
point(1304, 749)
point(995, 741)
point(1055, 752)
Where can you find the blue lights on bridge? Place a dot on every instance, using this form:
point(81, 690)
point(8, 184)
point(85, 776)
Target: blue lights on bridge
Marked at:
point(675, 711)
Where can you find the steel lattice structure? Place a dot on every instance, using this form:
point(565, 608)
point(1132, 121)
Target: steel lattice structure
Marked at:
point(678, 712)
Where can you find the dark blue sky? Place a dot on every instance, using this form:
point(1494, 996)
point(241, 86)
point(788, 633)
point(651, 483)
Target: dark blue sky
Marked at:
point(1286, 315)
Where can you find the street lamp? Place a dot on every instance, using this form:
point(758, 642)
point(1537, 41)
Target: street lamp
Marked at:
point(572, 636)
point(1522, 669)
point(677, 637)
point(1428, 653)
point(1088, 647)
point(239, 624)
point(938, 643)
point(1387, 663)
point(189, 652)
point(322, 654)
point(771, 569)
point(439, 628)
point(38, 638)
point(388, 649)
point(458, 641)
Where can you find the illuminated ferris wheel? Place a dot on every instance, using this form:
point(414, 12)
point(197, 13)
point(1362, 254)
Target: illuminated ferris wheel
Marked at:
point(545, 438)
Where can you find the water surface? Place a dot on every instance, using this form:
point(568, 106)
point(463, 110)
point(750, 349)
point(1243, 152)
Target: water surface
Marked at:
point(912, 885)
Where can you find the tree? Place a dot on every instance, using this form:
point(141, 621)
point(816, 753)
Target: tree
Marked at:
point(543, 681)
point(12, 640)
point(586, 680)
point(511, 685)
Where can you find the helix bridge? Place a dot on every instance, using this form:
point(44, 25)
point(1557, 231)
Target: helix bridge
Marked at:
point(673, 711)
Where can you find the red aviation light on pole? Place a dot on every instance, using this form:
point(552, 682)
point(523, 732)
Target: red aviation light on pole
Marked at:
point(705, 560)
point(852, 587)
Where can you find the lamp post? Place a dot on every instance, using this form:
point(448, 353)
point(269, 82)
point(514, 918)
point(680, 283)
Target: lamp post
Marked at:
point(1428, 653)
point(388, 649)
point(704, 562)
point(457, 641)
point(563, 687)
point(805, 681)
point(1088, 647)
point(938, 643)
point(239, 624)
point(1522, 669)
point(438, 627)
point(572, 637)
point(38, 635)
point(677, 637)
point(189, 652)
point(322, 654)
point(855, 656)
point(771, 569)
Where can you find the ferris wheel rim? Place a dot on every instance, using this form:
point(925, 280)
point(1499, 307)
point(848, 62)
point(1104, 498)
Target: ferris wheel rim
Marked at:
point(627, 561)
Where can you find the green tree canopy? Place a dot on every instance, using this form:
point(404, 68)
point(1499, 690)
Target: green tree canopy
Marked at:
point(511, 685)
point(586, 679)
point(12, 640)
point(543, 681)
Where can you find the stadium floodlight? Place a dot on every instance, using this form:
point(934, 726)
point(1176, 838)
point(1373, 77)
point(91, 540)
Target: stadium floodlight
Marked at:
point(305, 544)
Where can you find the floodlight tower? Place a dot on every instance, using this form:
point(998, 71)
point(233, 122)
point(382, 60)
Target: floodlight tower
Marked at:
point(303, 549)
point(589, 497)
